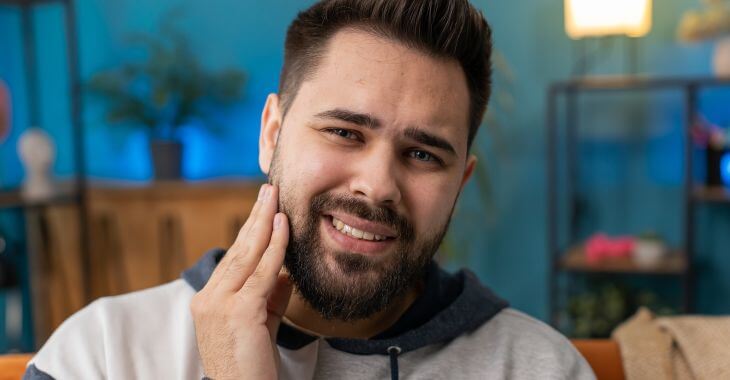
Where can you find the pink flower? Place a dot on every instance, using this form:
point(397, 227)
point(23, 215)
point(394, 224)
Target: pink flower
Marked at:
point(600, 246)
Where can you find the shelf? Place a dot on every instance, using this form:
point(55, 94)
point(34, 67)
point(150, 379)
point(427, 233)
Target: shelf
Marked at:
point(712, 194)
point(13, 199)
point(575, 261)
point(67, 192)
point(626, 82)
point(26, 3)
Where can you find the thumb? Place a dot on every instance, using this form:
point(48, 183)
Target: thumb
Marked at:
point(277, 302)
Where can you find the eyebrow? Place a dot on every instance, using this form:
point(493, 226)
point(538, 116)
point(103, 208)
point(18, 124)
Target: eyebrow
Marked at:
point(426, 138)
point(361, 119)
point(369, 121)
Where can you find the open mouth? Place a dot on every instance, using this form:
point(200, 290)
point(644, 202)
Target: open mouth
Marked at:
point(367, 238)
point(356, 233)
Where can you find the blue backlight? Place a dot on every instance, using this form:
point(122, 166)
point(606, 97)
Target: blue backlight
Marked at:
point(725, 168)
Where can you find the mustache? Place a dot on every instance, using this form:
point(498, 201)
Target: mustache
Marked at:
point(355, 206)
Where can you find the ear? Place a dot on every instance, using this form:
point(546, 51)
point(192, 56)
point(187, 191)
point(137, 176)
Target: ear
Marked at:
point(270, 127)
point(471, 162)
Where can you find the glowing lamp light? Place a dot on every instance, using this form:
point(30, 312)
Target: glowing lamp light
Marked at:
point(725, 169)
point(595, 18)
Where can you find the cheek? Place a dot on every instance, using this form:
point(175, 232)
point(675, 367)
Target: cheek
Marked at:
point(313, 171)
point(431, 203)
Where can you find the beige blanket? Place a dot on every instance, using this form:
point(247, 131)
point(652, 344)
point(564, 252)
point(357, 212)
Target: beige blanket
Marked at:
point(686, 347)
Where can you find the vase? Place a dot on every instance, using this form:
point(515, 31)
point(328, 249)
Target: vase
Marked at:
point(721, 57)
point(648, 253)
point(166, 159)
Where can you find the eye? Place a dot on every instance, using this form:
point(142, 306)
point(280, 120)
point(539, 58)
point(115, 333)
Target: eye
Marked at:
point(344, 133)
point(424, 156)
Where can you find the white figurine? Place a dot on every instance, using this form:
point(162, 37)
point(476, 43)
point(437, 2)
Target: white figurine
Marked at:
point(37, 152)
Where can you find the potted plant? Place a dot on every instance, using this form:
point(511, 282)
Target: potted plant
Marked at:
point(711, 22)
point(164, 91)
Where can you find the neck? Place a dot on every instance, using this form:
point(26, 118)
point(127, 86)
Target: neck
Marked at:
point(300, 314)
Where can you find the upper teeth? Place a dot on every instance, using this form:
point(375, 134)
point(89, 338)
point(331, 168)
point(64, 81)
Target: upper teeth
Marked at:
point(354, 232)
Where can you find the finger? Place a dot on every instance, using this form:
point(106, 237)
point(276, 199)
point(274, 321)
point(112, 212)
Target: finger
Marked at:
point(253, 215)
point(235, 247)
point(277, 303)
point(249, 252)
point(262, 281)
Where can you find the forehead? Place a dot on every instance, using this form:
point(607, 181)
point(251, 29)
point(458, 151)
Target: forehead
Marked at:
point(400, 86)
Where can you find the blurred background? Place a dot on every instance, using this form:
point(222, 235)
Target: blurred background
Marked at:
point(128, 146)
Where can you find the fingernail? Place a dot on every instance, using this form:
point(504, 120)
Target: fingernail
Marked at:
point(267, 192)
point(262, 191)
point(277, 221)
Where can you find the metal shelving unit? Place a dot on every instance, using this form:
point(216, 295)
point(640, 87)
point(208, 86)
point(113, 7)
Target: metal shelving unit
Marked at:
point(567, 260)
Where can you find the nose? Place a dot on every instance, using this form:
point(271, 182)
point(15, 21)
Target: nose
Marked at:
point(376, 178)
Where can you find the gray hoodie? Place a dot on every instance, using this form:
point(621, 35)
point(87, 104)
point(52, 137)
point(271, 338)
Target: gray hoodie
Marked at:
point(455, 329)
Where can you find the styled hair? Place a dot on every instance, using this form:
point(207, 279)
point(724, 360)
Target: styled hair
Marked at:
point(451, 29)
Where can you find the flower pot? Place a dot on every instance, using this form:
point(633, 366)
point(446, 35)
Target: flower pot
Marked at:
point(166, 159)
point(721, 57)
point(648, 253)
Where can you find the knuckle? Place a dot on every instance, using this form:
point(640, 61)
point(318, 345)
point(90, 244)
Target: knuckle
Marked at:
point(262, 268)
point(238, 263)
point(276, 245)
point(253, 280)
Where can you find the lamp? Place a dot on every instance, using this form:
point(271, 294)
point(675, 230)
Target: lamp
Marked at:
point(596, 18)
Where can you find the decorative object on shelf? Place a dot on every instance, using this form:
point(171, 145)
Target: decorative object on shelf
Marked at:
point(167, 90)
point(646, 250)
point(37, 153)
point(713, 22)
point(649, 250)
point(5, 112)
point(600, 247)
point(596, 18)
point(716, 142)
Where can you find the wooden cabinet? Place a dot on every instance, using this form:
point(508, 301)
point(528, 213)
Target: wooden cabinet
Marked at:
point(139, 236)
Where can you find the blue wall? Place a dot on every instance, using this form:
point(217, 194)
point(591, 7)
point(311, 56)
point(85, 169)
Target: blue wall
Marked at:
point(504, 242)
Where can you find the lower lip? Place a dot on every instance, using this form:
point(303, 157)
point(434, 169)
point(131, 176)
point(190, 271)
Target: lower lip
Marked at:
point(351, 244)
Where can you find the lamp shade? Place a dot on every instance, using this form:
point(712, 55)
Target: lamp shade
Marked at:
point(595, 18)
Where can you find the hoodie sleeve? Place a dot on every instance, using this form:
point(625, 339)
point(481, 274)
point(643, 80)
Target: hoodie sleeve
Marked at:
point(76, 350)
point(144, 334)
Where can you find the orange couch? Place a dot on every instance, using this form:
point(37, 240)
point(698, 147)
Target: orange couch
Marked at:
point(12, 366)
point(603, 356)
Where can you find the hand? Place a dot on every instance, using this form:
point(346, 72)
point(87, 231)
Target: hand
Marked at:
point(238, 312)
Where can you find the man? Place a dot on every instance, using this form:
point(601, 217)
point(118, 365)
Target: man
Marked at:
point(367, 149)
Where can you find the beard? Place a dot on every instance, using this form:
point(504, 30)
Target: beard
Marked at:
point(351, 286)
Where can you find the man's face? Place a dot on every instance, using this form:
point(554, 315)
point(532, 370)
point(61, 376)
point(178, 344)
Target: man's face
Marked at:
point(369, 163)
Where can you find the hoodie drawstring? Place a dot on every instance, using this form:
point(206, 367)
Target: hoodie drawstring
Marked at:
point(394, 351)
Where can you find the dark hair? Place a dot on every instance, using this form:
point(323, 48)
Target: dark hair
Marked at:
point(443, 28)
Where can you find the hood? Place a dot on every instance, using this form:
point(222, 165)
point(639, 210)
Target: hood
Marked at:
point(449, 306)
